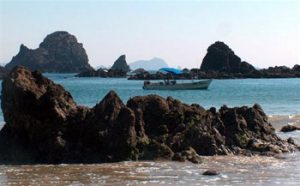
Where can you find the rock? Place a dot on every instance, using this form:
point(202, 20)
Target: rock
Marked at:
point(48, 108)
point(289, 128)
point(54, 129)
point(291, 140)
point(120, 64)
point(296, 68)
point(59, 52)
point(155, 150)
point(93, 73)
point(119, 69)
point(211, 173)
point(221, 58)
point(3, 72)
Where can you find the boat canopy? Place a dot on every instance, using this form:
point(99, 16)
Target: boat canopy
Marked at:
point(171, 70)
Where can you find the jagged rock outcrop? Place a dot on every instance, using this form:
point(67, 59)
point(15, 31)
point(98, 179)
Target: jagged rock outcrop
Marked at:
point(120, 64)
point(59, 52)
point(119, 69)
point(221, 58)
point(45, 125)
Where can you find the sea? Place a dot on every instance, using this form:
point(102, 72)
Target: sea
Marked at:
point(280, 99)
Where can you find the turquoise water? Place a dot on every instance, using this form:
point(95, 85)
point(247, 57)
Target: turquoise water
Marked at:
point(276, 96)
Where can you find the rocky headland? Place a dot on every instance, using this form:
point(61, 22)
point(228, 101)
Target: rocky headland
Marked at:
point(60, 52)
point(119, 69)
point(45, 125)
point(220, 62)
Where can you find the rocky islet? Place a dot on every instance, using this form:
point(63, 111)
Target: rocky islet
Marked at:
point(119, 69)
point(60, 52)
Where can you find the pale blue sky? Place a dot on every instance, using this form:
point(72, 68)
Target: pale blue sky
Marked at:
point(264, 33)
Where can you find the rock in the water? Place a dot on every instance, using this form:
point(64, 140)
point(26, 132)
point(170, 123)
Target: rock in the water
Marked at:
point(45, 125)
point(221, 58)
point(119, 69)
point(94, 73)
point(59, 52)
point(289, 128)
point(210, 173)
point(120, 64)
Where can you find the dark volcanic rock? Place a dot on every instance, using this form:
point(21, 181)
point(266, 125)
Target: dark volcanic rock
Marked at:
point(221, 58)
point(289, 128)
point(120, 64)
point(210, 173)
point(59, 52)
point(45, 125)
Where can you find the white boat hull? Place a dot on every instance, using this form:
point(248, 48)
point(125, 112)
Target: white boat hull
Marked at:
point(203, 84)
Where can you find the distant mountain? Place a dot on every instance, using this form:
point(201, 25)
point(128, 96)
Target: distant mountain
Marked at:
point(152, 64)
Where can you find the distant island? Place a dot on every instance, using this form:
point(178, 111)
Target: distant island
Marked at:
point(59, 52)
point(149, 65)
point(221, 62)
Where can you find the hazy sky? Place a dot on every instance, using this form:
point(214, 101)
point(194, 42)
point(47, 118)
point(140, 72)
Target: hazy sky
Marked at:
point(262, 33)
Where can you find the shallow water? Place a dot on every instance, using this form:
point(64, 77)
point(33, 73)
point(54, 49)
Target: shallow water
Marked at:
point(280, 98)
point(234, 170)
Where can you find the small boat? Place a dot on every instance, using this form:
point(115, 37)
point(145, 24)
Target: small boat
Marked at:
point(173, 85)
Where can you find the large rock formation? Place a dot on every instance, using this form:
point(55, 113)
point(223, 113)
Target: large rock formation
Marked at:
point(45, 125)
point(120, 64)
point(59, 52)
point(221, 58)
